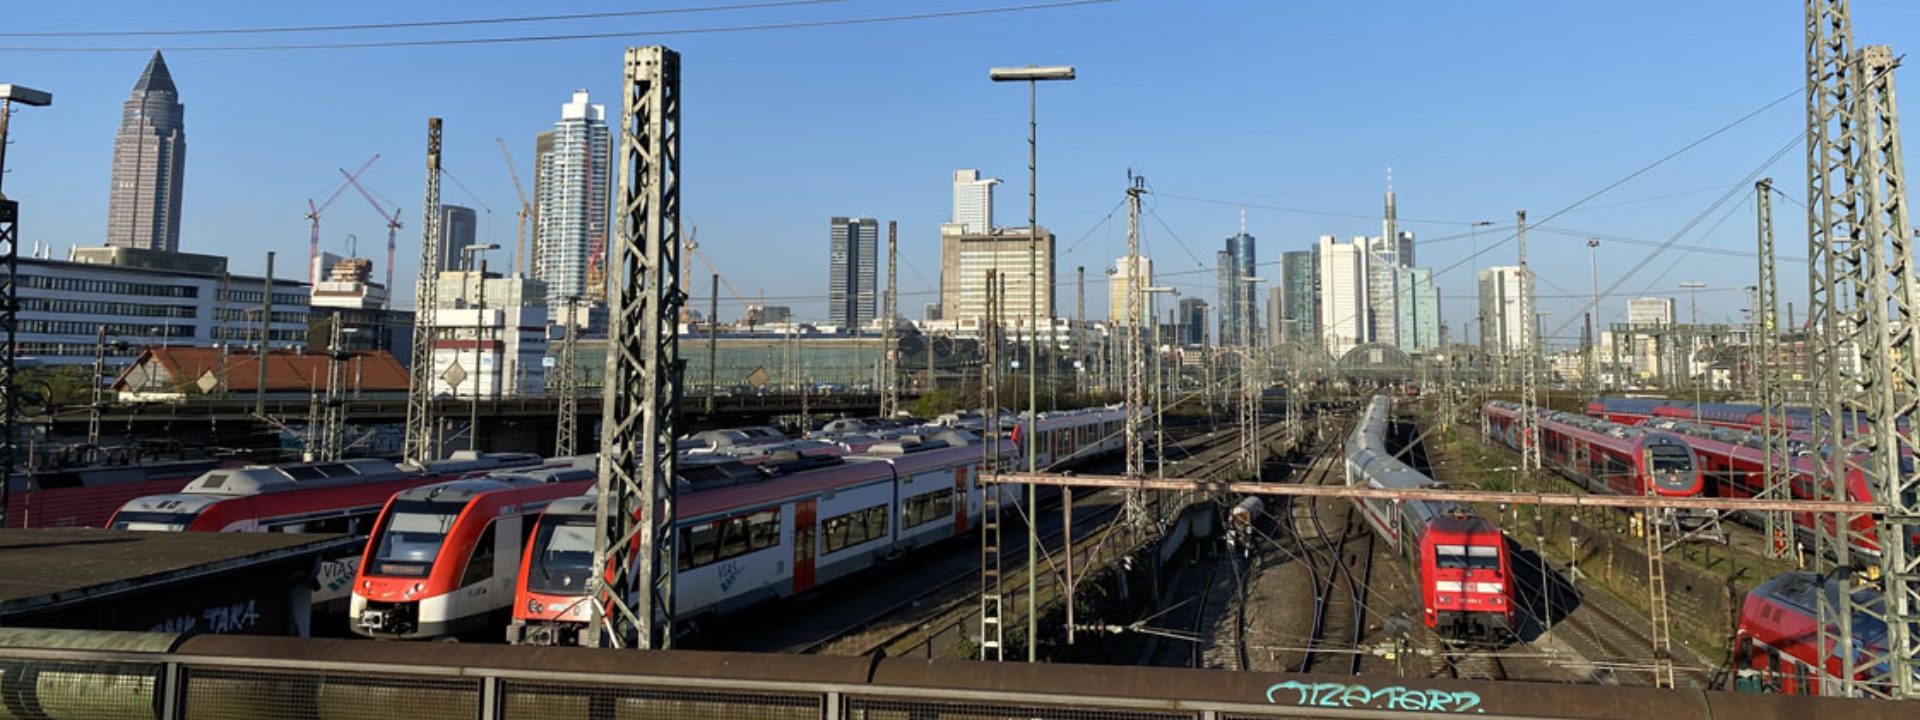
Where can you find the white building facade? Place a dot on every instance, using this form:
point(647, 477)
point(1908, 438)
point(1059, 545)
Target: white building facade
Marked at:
point(573, 195)
point(1344, 306)
point(496, 338)
point(973, 201)
point(1502, 328)
point(1117, 290)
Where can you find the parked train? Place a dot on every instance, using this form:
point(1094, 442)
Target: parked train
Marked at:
point(1732, 463)
point(324, 497)
point(1458, 558)
point(740, 541)
point(1609, 457)
point(88, 496)
point(442, 559)
point(1742, 416)
point(1776, 640)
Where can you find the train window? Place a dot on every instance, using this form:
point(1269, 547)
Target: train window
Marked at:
point(931, 507)
point(764, 529)
point(850, 529)
point(412, 535)
point(1670, 458)
point(480, 565)
point(701, 542)
point(563, 555)
point(733, 538)
point(161, 521)
point(1774, 678)
point(1461, 557)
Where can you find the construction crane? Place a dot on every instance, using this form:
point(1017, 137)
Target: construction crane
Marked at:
point(526, 209)
point(393, 225)
point(693, 248)
point(313, 215)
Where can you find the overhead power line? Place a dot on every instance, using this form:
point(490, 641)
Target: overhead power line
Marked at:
point(361, 27)
point(566, 37)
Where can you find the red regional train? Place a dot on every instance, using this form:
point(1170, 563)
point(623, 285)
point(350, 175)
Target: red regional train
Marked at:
point(746, 540)
point(1609, 457)
point(324, 497)
point(1458, 558)
point(1774, 645)
point(88, 496)
point(1742, 416)
point(1732, 463)
point(442, 558)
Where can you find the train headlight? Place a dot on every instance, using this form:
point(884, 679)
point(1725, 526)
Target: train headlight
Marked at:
point(417, 587)
point(534, 607)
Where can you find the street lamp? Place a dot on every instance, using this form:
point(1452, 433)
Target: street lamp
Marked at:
point(10, 94)
point(1159, 383)
point(1032, 75)
point(479, 327)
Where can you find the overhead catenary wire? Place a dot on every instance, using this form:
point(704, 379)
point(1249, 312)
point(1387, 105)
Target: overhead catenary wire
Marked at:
point(361, 27)
point(568, 37)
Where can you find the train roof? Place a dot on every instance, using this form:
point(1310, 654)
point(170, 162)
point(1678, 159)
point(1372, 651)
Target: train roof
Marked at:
point(465, 490)
point(1798, 591)
point(261, 479)
point(1367, 448)
point(733, 437)
point(470, 461)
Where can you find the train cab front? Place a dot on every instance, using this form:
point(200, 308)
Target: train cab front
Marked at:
point(1674, 470)
point(160, 513)
point(1472, 592)
point(551, 605)
point(403, 588)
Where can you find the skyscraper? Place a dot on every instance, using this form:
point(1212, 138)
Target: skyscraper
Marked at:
point(965, 259)
point(572, 191)
point(1117, 291)
point(1191, 323)
point(457, 226)
point(1239, 305)
point(1502, 331)
point(1344, 315)
point(1227, 277)
point(973, 201)
point(1299, 287)
point(1419, 308)
point(852, 244)
point(149, 164)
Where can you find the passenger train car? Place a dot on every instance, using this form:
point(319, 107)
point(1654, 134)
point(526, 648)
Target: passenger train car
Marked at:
point(1742, 416)
point(743, 541)
point(88, 496)
point(1458, 559)
point(325, 497)
point(1774, 644)
point(443, 558)
point(1732, 463)
point(1609, 457)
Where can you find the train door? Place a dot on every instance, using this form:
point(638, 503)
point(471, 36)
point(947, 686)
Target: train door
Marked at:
point(960, 500)
point(804, 516)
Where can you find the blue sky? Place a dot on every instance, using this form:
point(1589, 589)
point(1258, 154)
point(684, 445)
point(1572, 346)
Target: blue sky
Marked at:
point(1480, 108)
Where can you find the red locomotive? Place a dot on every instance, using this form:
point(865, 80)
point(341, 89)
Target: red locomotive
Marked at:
point(1774, 647)
point(1458, 558)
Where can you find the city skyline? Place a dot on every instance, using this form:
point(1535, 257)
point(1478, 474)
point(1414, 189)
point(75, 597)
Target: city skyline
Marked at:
point(1627, 130)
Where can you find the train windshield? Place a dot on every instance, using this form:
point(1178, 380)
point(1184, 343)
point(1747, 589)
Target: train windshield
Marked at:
point(156, 521)
point(562, 556)
point(410, 539)
point(1670, 458)
point(1462, 557)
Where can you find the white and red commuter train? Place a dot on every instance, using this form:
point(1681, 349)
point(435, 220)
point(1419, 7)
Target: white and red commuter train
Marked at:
point(1458, 559)
point(744, 541)
point(1774, 644)
point(442, 559)
point(88, 496)
point(311, 497)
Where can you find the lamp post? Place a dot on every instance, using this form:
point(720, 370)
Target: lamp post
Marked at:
point(1032, 75)
point(10, 94)
point(1593, 313)
point(1159, 383)
point(1693, 322)
point(10, 247)
point(479, 328)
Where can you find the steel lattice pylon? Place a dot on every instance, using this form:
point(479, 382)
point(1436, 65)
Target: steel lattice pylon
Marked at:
point(1135, 358)
point(419, 442)
point(1773, 398)
point(633, 529)
point(566, 428)
point(9, 327)
point(1529, 346)
point(889, 351)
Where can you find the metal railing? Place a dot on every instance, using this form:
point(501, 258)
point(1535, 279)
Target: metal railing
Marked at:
point(222, 677)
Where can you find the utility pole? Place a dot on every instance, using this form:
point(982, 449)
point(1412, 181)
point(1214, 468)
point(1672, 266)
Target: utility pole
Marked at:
point(1530, 348)
point(889, 351)
point(1593, 311)
point(266, 339)
point(567, 426)
point(1135, 364)
point(419, 442)
point(992, 600)
point(1772, 378)
point(633, 596)
point(713, 342)
point(1080, 364)
point(333, 441)
point(99, 404)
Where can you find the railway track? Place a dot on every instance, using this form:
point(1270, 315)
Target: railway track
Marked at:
point(890, 627)
point(1339, 590)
